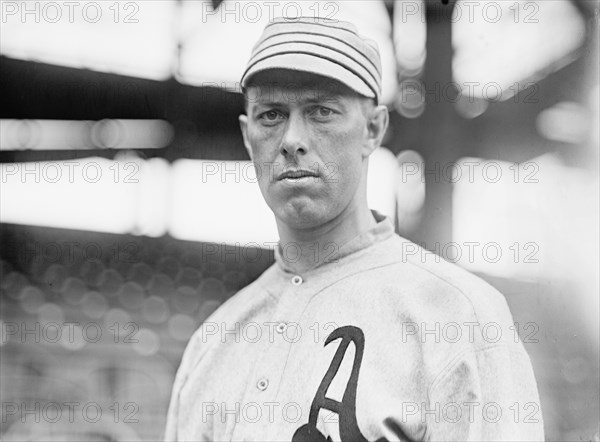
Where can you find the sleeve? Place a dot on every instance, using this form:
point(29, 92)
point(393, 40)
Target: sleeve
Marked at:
point(190, 356)
point(488, 394)
point(198, 346)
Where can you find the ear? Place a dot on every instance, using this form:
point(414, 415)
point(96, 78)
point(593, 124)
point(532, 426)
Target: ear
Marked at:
point(243, 119)
point(377, 124)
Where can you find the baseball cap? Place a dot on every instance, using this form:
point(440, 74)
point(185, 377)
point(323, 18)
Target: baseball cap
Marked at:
point(330, 48)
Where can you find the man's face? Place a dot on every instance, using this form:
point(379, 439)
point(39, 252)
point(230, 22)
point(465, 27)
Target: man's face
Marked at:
point(309, 138)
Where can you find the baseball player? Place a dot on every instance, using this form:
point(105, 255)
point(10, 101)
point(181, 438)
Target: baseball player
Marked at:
point(354, 333)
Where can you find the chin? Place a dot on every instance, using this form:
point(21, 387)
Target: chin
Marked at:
point(303, 215)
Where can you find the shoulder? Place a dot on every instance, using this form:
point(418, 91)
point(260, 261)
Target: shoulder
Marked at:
point(454, 317)
point(436, 292)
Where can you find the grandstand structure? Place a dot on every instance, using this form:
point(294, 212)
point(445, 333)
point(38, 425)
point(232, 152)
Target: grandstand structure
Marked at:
point(83, 333)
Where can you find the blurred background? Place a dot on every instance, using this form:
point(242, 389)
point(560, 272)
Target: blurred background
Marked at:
point(129, 210)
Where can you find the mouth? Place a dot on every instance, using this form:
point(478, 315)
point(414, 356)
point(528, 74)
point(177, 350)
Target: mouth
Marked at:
point(296, 175)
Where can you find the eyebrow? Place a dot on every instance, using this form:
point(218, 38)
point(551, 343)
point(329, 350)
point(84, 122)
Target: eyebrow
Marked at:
point(308, 100)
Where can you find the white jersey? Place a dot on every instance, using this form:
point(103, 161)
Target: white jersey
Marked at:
point(383, 341)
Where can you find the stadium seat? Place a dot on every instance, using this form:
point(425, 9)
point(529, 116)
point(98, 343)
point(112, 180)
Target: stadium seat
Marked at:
point(31, 299)
point(13, 283)
point(155, 310)
point(140, 273)
point(131, 295)
point(90, 272)
point(188, 277)
point(109, 282)
point(186, 300)
point(234, 280)
point(192, 259)
point(168, 266)
point(94, 305)
point(54, 277)
point(212, 288)
point(73, 290)
point(160, 285)
point(207, 309)
point(181, 327)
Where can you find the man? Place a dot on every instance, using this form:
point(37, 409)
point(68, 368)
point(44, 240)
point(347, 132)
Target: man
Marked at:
point(351, 335)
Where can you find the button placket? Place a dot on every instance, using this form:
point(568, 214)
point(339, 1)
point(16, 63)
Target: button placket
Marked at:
point(269, 369)
point(262, 384)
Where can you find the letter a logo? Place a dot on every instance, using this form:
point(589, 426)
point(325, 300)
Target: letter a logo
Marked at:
point(346, 410)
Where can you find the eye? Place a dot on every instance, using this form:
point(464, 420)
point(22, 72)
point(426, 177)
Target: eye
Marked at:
point(325, 111)
point(322, 112)
point(270, 116)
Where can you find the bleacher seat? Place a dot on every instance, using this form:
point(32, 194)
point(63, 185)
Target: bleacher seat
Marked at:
point(73, 290)
point(188, 277)
point(213, 268)
point(208, 307)
point(109, 282)
point(147, 300)
point(13, 283)
point(160, 285)
point(234, 280)
point(168, 266)
point(5, 269)
point(131, 295)
point(90, 272)
point(182, 326)
point(192, 259)
point(186, 300)
point(155, 309)
point(212, 288)
point(31, 299)
point(140, 273)
point(54, 277)
point(94, 305)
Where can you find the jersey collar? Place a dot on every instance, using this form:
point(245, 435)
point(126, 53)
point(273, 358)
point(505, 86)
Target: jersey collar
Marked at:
point(381, 231)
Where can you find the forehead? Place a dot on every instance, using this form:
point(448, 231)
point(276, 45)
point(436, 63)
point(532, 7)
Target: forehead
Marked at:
point(287, 85)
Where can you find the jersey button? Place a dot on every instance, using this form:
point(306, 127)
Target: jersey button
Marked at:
point(262, 384)
point(297, 280)
point(280, 327)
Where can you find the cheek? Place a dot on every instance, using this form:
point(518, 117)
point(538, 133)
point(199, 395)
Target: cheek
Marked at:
point(263, 143)
point(345, 156)
point(264, 152)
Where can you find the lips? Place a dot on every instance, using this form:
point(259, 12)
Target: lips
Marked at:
point(295, 174)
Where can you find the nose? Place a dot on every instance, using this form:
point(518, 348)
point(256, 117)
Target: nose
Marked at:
point(295, 139)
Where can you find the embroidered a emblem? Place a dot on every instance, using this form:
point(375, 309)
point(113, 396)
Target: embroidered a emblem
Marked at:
point(346, 410)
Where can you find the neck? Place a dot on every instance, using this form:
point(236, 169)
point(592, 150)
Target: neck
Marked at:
point(303, 249)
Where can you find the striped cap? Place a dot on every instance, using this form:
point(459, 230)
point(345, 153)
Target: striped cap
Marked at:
point(325, 47)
